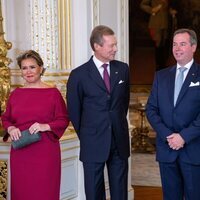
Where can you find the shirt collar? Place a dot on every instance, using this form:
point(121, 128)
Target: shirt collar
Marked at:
point(97, 62)
point(188, 65)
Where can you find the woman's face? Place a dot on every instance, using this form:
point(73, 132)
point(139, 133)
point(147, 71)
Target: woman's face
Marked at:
point(31, 71)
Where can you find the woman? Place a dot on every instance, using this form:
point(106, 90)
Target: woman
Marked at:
point(36, 168)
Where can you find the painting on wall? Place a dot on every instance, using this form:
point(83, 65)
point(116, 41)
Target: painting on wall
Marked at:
point(181, 14)
point(141, 52)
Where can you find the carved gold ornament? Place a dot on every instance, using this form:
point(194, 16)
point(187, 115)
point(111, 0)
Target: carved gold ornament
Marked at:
point(4, 70)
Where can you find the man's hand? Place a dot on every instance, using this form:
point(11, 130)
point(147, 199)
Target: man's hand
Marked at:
point(175, 141)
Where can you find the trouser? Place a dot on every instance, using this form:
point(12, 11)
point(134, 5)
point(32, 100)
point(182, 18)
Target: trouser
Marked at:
point(117, 174)
point(180, 180)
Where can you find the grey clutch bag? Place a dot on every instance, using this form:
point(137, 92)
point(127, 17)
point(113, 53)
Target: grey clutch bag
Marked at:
point(26, 139)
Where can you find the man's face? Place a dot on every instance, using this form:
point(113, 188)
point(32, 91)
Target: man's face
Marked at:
point(106, 52)
point(182, 49)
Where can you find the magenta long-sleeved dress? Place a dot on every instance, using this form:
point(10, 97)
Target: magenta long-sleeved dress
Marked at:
point(36, 169)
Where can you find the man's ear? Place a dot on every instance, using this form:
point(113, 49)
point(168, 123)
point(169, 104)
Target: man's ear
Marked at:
point(194, 47)
point(96, 46)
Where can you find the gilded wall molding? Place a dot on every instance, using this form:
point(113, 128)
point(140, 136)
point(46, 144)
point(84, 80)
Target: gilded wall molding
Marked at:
point(3, 179)
point(95, 13)
point(4, 70)
point(17, 72)
point(51, 32)
point(44, 30)
point(64, 28)
point(122, 30)
point(123, 36)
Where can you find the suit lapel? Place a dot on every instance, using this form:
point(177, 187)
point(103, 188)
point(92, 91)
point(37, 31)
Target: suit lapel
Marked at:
point(114, 73)
point(171, 84)
point(191, 76)
point(95, 75)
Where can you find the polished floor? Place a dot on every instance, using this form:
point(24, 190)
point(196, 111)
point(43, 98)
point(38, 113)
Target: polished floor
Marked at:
point(147, 193)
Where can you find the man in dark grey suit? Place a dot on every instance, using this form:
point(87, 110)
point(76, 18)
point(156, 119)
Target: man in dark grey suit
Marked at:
point(174, 113)
point(98, 99)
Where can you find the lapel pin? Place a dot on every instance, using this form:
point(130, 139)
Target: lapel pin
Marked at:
point(193, 74)
point(116, 72)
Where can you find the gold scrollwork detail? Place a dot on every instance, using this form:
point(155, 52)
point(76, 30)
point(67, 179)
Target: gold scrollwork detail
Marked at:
point(4, 70)
point(4, 86)
point(3, 180)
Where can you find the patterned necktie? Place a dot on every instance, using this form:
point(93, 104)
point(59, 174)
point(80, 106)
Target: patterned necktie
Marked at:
point(178, 83)
point(106, 77)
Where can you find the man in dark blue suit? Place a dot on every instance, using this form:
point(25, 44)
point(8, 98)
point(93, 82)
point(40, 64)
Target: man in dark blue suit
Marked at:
point(175, 116)
point(98, 100)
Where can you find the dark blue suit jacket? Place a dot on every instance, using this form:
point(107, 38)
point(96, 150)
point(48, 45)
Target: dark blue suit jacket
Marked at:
point(97, 115)
point(183, 118)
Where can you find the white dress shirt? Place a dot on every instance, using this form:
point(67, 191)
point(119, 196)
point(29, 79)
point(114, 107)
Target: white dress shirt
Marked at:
point(99, 64)
point(187, 66)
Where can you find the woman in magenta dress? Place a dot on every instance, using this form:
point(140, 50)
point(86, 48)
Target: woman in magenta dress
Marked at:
point(36, 168)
